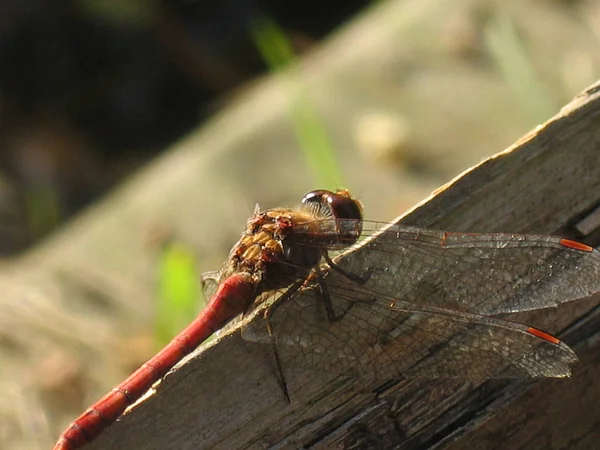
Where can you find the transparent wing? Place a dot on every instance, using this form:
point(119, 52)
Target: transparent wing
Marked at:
point(486, 274)
point(386, 338)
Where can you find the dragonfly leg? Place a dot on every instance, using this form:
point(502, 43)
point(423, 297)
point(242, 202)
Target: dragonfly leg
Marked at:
point(273, 338)
point(326, 297)
point(360, 279)
point(316, 276)
point(280, 376)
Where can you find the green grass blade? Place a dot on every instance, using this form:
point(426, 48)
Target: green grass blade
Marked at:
point(179, 296)
point(314, 141)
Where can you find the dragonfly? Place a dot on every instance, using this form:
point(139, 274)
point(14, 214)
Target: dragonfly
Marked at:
point(398, 301)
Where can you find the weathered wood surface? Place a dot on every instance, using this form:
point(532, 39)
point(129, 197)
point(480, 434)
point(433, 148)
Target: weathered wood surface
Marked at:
point(227, 396)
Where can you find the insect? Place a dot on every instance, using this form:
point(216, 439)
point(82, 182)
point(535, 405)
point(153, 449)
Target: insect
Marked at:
point(447, 289)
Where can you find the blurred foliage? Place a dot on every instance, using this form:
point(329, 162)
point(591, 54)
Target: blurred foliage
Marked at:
point(179, 297)
point(107, 85)
point(511, 56)
point(278, 53)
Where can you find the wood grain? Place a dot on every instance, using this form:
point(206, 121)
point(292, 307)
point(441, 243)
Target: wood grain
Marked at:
point(226, 395)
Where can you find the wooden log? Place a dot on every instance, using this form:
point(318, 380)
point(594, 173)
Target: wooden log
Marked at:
point(226, 395)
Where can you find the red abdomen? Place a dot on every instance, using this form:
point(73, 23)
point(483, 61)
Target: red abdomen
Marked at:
point(233, 297)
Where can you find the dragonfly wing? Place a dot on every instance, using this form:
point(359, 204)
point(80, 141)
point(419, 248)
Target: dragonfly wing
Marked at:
point(487, 274)
point(387, 338)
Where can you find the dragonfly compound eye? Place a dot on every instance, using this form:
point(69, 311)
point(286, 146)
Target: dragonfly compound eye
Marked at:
point(340, 206)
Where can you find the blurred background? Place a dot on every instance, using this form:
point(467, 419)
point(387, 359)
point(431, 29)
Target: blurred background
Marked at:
point(159, 125)
point(92, 90)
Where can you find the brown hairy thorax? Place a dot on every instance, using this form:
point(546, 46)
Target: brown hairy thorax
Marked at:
point(265, 252)
point(281, 245)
